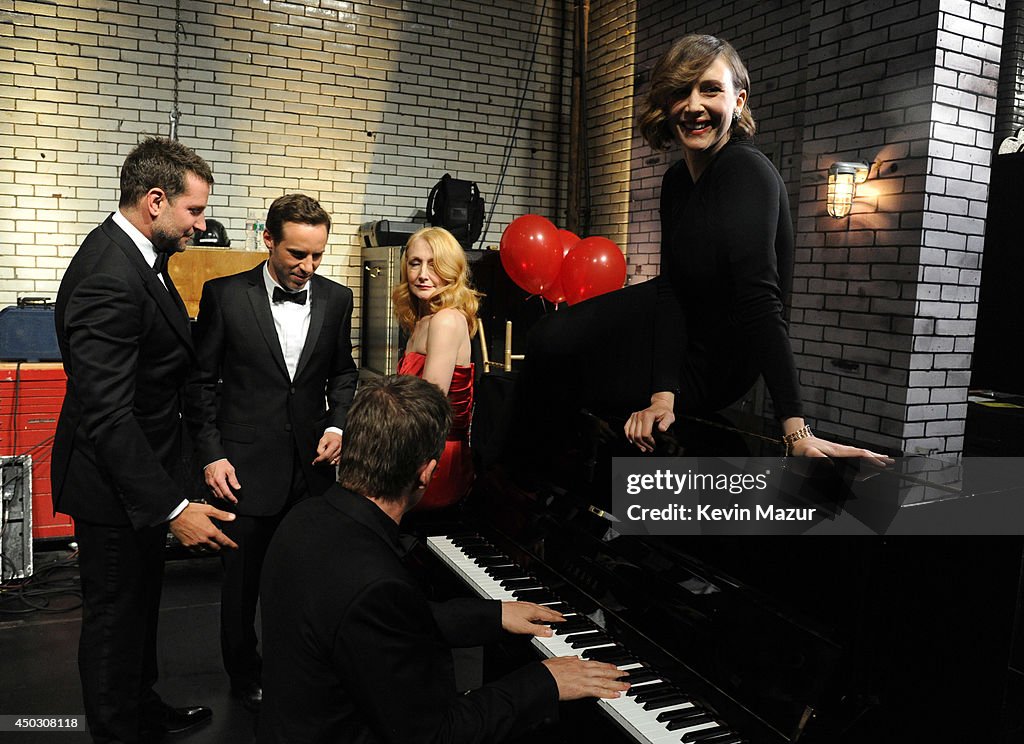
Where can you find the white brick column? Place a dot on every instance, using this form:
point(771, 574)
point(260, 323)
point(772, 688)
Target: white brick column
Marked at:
point(885, 300)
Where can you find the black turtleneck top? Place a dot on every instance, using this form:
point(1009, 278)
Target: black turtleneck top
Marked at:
point(726, 249)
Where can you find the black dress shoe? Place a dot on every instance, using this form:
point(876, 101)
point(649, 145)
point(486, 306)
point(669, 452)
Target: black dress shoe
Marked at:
point(249, 694)
point(185, 719)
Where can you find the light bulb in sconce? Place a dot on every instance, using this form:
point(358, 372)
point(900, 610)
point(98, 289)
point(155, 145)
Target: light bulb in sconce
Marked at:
point(843, 178)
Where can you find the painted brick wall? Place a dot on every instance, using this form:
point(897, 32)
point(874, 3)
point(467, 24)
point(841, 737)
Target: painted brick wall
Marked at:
point(362, 105)
point(1010, 103)
point(903, 270)
point(956, 204)
point(870, 74)
point(610, 116)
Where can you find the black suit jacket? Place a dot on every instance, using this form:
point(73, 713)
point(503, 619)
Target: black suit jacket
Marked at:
point(353, 651)
point(253, 414)
point(125, 343)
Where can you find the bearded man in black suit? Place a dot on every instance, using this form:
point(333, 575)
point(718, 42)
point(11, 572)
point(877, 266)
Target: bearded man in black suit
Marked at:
point(267, 404)
point(124, 336)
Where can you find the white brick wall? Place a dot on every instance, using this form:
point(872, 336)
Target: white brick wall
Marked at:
point(363, 106)
point(610, 117)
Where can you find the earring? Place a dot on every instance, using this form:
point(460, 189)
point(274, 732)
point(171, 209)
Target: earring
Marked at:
point(735, 118)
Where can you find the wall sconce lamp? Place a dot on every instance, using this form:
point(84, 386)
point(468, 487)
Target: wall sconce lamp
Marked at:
point(842, 186)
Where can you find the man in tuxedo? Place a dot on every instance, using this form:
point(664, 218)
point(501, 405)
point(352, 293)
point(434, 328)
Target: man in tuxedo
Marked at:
point(124, 337)
point(353, 650)
point(267, 404)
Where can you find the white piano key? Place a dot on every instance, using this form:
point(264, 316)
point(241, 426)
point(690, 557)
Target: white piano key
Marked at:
point(644, 722)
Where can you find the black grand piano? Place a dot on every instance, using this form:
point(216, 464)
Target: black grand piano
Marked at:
point(765, 640)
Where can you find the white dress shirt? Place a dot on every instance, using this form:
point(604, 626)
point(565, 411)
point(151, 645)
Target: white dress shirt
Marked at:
point(291, 321)
point(144, 244)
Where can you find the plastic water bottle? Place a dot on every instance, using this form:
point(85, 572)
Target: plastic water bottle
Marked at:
point(257, 235)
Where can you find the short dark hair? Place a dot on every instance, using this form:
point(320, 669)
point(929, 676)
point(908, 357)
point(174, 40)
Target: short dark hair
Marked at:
point(395, 426)
point(675, 72)
point(160, 163)
point(298, 208)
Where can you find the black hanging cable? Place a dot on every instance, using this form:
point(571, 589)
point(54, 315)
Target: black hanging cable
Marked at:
point(175, 111)
point(507, 155)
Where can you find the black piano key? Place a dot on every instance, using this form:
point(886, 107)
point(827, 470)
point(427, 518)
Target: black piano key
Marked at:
point(665, 702)
point(602, 654)
point(505, 572)
point(636, 676)
point(673, 715)
point(492, 560)
point(574, 625)
point(557, 607)
point(465, 542)
point(624, 659)
point(672, 692)
point(534, 595)
point(695, 736)
point(716, 736)
point(477, 550)
point(681, 723)
point(512, 584)
point(634, 691)
point(588, 640)
point(613, 655)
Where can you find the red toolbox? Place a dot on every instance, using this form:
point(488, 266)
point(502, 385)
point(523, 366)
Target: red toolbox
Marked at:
point(31, 395)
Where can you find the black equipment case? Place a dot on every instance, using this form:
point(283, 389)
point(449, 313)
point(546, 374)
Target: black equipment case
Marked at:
point(27, 332)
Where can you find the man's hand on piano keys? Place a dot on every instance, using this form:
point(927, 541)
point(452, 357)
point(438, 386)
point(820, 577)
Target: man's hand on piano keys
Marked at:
point(578, 678)
point(527, 618)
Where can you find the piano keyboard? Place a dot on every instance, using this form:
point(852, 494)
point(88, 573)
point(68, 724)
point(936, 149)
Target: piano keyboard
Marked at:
point(653, 710)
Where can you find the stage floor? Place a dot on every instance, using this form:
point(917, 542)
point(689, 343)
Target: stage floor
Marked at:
point(39, 651)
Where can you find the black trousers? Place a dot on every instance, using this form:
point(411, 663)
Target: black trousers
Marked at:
point(600, 356)
point(121, 573)
point(240, 588)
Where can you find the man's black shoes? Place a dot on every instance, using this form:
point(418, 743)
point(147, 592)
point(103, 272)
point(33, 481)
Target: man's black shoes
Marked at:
point(180, 720)
point(249, 694)
point(174, 721)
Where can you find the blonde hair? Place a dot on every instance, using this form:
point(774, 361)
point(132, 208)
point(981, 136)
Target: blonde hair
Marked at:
point(451, 267)
point(677, 71)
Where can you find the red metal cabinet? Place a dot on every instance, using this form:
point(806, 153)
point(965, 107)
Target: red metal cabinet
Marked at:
point(30, 399)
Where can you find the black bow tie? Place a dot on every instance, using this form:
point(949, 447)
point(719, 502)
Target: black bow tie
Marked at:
point(160, 266)
point(299, 298)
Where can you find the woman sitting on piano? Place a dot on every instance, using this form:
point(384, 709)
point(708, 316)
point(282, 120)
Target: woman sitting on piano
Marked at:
point(437, 307)
point(695, 339)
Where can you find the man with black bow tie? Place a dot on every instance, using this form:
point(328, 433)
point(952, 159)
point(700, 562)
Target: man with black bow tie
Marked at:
point(267, 405)
point(124, 337)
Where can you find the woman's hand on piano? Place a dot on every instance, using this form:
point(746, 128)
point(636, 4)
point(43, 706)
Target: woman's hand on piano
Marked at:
point(527, 618)
point(577, 678)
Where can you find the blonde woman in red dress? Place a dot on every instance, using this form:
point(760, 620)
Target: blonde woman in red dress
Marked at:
point(437, 307)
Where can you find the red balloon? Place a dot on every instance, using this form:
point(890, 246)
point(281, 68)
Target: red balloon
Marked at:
point(556, 293)
point(593, 267)
point(531, 252)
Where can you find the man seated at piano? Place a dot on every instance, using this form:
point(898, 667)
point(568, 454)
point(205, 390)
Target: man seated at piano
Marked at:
point(353, 651)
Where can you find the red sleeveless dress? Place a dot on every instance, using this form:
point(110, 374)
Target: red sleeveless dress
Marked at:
point(454, 474)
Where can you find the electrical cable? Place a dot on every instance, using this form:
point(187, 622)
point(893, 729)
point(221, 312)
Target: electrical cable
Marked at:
point(510, 144)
